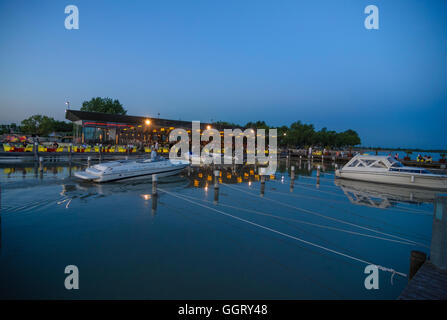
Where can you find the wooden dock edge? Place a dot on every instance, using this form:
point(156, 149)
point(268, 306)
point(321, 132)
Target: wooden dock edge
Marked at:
point(429, 283)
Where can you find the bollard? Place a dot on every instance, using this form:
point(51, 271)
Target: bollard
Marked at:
point(89, 159)
point(216, 195)
point(216, 179)
point(36, 151)
point(41, 164)
point(154, 184)
point(70, 150)
point(262, 185)
point(262, 182)
point(292, 178)
point(438, 252)
point(417, 259)
point(318, 177)
point(154, 203)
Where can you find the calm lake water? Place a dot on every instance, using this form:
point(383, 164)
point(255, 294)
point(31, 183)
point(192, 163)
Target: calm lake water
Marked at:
point(305, 242)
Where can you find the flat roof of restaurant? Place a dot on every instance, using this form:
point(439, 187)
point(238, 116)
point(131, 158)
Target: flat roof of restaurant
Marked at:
point(77, 115)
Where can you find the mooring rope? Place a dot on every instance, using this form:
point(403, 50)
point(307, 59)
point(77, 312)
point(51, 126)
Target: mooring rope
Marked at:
point(306, 222)
point(392, 271)
point(266, 256)
point(322, 215)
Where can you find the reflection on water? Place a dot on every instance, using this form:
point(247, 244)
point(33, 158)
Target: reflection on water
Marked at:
point(210, 232)
point(382, 195)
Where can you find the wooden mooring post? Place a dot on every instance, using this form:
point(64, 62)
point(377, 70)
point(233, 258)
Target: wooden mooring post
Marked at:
point(70, 153)
point(216, 179)
point(216, 186)
point(154, 203)
point(417, 259)
point(292, 177)
point(262, 174)
point(318, 176)
point(438, 249)
point(36, 151)
point(154, 184)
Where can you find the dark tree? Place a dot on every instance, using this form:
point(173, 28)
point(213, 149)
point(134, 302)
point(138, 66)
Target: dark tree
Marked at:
point(103, 105)
point(38, 124)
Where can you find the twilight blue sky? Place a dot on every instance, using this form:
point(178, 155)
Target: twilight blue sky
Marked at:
point(235, 60)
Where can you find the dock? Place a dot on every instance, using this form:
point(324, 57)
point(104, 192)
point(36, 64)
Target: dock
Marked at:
point(429, 283)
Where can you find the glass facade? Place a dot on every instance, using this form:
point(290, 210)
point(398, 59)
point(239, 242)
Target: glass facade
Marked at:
point(88, 132)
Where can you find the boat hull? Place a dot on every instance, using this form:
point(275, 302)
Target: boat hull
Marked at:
point(414, 180)
point(143, 174)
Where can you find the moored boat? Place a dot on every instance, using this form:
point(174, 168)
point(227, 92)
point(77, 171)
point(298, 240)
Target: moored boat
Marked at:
point(126, 169)
point(385, 169)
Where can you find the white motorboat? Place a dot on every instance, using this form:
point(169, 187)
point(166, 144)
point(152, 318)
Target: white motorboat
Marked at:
point(126, 169)
point(385, 169)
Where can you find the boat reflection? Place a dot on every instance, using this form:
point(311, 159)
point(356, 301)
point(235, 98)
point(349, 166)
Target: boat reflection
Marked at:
point(383, 196)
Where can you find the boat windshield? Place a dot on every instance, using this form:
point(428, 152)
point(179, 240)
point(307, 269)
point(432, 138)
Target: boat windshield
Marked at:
point(395, 163)
point(156, 159)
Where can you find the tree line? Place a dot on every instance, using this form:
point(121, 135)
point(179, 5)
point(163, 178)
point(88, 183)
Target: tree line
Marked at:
point(303, 135)
point(43, 125)
point(38, 125)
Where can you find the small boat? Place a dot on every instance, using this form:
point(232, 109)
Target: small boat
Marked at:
point(385, 169)
point(126, 169)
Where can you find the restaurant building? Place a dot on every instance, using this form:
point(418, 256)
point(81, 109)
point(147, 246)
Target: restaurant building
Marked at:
point(113, 129)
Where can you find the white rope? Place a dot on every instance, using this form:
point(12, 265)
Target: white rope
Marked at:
point(286, 235)
point(306, 222)
point(322, 215)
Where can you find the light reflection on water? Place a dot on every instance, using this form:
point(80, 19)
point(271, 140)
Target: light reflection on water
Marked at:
point(129, 243)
